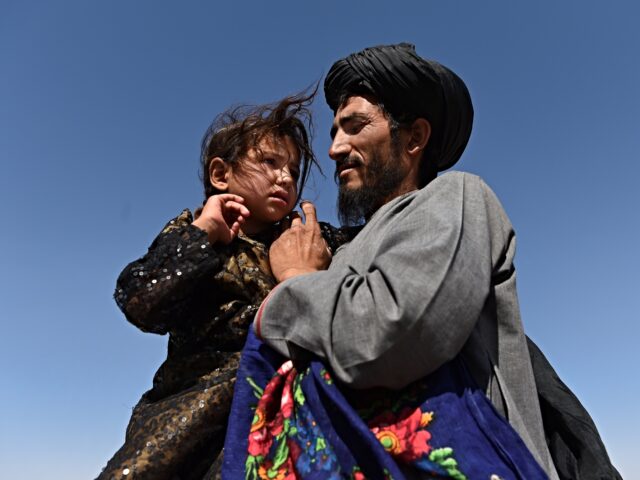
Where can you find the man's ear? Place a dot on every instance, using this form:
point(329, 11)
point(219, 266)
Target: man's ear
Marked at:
point(419, 135)
point(219, 174)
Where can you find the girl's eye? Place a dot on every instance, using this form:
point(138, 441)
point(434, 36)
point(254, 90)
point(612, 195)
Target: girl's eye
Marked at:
point(268, 161)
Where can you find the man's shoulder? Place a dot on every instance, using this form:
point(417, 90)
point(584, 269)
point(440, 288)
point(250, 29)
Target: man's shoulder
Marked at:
point(455, 184)
point(475, 193)
point(454, 188)
point(457, 178)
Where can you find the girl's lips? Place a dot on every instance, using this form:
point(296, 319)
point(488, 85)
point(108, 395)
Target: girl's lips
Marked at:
point(280, 197)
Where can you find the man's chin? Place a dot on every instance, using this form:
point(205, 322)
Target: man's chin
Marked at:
point(354, 204)
point(349, 185)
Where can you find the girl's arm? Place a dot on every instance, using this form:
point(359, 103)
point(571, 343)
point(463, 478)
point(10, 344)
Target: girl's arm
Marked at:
point(172, 283)
point(168, 284)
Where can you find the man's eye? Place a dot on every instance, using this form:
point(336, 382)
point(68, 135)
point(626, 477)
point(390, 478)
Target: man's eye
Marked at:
point(353, 127)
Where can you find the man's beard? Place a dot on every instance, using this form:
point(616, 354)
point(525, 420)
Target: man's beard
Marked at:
point(381, 179)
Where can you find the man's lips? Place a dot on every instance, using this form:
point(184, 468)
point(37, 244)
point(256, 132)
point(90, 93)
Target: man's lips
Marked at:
point(342, 168)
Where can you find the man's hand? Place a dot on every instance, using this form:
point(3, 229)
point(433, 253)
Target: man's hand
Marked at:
point(301, 248)
point(221, 217)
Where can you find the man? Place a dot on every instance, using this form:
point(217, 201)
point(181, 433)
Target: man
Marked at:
point(430, 277)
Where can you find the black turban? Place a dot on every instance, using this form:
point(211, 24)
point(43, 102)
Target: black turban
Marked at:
point(409, 87)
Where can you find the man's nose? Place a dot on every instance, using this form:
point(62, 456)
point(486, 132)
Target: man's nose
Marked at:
point(339, 147)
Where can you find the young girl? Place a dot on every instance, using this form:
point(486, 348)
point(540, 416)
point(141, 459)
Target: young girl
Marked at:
point(202, 281)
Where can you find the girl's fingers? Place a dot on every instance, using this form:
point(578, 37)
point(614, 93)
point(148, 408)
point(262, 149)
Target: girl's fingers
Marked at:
point(230, 197)
point(237, 208)
point(235, 229)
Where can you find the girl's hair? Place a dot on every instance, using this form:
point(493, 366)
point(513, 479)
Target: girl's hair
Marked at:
point(237, 130)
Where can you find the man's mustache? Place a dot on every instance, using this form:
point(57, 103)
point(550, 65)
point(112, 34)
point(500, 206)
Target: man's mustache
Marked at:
point(347, 162)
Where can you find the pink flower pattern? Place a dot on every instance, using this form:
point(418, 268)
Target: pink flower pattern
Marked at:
point(404, 435)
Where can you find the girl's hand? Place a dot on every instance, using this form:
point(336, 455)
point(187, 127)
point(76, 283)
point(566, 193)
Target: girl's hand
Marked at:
point(221, 217)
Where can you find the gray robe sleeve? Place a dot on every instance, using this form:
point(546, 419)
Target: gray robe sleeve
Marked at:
point(404, 296)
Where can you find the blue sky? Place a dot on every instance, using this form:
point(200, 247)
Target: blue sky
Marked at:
point(102, 107)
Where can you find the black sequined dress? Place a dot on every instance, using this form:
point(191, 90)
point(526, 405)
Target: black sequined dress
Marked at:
point(205, 298)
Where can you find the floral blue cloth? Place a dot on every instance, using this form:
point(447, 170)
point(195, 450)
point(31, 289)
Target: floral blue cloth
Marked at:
point(291, 421)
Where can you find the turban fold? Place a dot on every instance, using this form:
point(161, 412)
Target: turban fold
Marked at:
point(409, 87)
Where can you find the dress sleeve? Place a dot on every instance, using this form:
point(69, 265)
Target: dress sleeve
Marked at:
point(165, 286)
point(410, 305)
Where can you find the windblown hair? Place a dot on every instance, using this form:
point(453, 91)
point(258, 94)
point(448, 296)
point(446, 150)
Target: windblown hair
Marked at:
point(239, 129)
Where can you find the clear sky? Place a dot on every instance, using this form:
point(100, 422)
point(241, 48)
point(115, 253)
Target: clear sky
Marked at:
point(102, 107)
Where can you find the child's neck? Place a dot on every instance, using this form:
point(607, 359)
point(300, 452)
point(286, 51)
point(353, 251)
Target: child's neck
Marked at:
point(250, 228)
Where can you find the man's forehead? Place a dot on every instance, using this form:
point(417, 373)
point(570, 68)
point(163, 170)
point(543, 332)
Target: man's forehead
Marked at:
point(358, 104)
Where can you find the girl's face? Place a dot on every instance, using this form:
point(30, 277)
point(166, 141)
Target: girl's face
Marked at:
point(267, 179)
